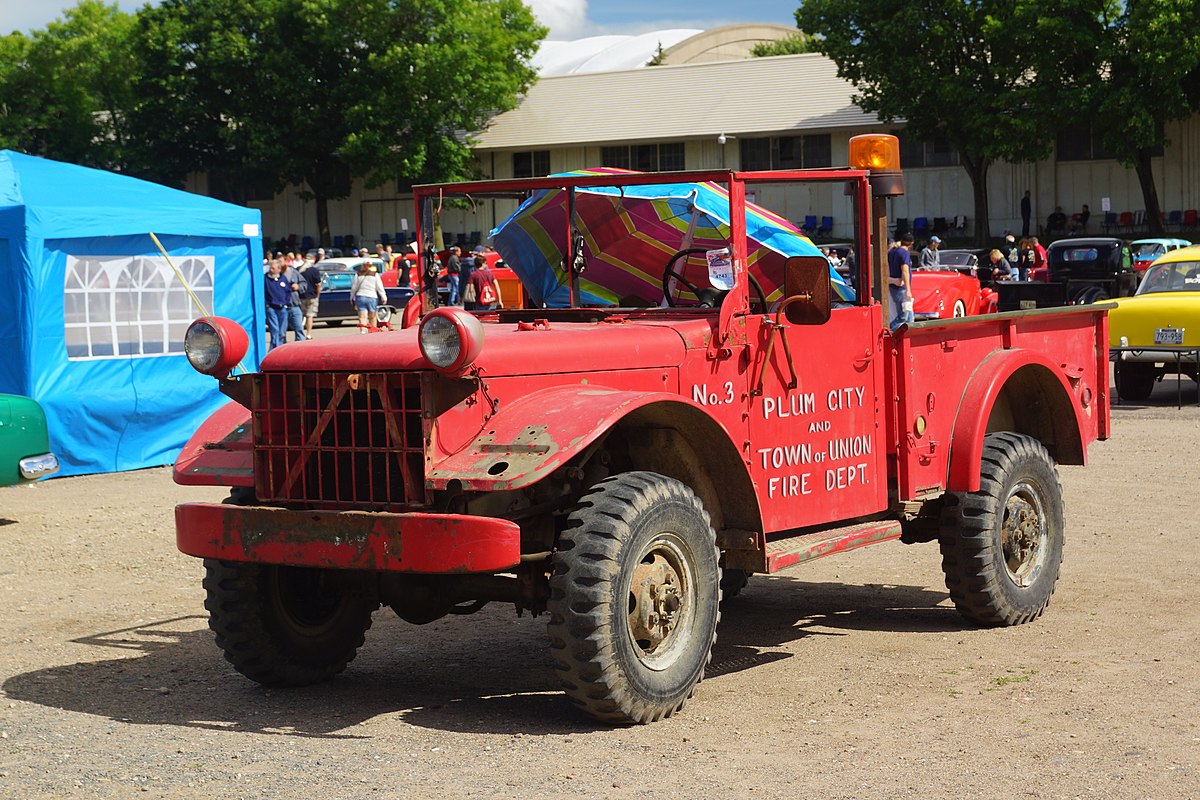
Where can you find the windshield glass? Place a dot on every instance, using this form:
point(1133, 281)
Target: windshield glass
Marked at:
point(1179, 276)
point(645, 245)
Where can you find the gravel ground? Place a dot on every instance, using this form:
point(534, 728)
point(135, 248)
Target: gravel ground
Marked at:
point(852, 677)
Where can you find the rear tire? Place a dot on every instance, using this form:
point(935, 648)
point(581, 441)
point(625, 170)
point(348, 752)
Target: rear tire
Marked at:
point(1135, 381)
point(634, 598)
point(284, 626)
point(1002, 545)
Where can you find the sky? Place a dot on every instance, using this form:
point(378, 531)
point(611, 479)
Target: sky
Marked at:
point(567, 19)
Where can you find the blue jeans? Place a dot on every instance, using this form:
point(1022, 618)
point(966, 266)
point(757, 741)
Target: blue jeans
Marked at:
point(897, 296)
point(452, 300)
point(295, 321)
point(277, 325)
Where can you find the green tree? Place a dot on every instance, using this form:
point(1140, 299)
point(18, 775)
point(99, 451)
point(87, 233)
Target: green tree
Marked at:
point(318, 92)
point(66, 88)
point(788, 46)
point(969, 72)
point(1148, 75)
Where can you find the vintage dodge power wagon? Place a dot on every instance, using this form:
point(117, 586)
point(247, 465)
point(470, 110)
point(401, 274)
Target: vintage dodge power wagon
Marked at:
point(694, 397)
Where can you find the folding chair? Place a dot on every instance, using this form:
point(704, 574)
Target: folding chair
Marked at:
point(901, 226)
point(921, 226)
point(810, 223)
point(1110, 221)
point(826, 226)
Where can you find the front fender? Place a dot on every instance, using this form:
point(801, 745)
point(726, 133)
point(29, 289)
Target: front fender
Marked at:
point(220, 452)
point(1047, 409)
point(512, 452)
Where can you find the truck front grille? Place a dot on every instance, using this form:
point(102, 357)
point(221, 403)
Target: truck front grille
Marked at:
point(339, 440)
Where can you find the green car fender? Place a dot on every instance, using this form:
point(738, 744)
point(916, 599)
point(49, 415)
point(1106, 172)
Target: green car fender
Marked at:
point(24, 441)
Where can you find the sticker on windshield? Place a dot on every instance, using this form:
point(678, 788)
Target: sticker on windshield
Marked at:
point(720, 269)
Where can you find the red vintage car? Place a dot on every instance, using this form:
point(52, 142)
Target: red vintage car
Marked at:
point(945, 293)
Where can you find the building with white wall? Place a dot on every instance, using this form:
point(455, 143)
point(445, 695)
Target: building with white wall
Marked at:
point(740, 113)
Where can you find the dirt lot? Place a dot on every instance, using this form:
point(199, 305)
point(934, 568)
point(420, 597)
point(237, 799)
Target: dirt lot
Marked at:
point(852, 677)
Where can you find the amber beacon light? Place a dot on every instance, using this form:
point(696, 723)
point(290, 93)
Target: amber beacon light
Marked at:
point(878, 153)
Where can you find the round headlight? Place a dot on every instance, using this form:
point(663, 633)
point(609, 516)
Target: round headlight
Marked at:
point(215, 345)
point(451, 339)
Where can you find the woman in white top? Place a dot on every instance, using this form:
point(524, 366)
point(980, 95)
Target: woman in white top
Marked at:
point(366, 293)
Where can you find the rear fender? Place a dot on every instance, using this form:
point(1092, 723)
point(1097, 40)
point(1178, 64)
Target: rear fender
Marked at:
point(220, 452)
point(662, 432)
point(1021, 391)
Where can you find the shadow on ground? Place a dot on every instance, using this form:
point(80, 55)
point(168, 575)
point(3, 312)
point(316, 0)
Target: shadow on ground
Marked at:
point(489, 673)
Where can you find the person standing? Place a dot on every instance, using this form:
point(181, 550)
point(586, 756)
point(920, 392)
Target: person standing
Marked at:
point(295, 316)
point(929, 258)
point(483, 287)
point(366, 293)
point(1026, 213)
point(310, 298)
point(900, 282)
point(278, 294)
point(453, 270)
point(464, 279)
point(1039, 258)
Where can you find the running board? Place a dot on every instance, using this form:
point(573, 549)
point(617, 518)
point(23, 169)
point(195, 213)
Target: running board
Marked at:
point(784, 553)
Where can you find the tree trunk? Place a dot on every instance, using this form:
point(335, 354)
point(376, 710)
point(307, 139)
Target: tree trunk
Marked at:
point(322, 219)
point(1154, 220)
point(977, 169)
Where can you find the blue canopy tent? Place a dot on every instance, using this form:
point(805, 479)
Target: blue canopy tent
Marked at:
point(92, 315)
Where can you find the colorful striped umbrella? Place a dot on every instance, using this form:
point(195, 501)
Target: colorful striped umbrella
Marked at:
point(629, 235)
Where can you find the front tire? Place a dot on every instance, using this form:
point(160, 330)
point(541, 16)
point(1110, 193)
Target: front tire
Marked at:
point(285, 626)
point(634, 598)
point(960, 309)
point(1002, 545)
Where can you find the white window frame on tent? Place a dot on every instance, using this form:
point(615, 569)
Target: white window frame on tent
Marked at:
point(131, 306)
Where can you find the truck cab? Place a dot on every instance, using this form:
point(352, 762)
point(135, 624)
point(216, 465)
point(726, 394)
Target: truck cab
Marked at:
point(691, 396)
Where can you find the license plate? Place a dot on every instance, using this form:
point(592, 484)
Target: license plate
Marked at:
point(1168, 335)
point(1025, 305)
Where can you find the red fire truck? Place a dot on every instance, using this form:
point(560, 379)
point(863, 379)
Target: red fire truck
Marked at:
point(620, 458)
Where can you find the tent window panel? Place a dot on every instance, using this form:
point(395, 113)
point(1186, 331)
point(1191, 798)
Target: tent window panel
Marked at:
point(131, 306)
point(74, 308)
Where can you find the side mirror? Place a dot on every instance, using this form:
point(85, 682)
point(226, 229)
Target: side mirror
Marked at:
point(807, 290)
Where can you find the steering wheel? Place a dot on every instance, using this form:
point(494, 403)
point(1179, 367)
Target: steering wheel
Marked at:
point(709, 298)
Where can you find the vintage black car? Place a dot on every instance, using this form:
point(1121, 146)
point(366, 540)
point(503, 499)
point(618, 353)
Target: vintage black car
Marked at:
point(1080, 271)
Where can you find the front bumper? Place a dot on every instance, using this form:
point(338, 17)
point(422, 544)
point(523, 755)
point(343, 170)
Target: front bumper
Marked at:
point(35, 467)
point(419, 543)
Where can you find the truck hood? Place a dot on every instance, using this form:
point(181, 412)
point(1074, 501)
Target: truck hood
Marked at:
point(563, 347)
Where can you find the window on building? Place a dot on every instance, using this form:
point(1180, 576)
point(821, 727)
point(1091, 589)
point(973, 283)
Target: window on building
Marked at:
point(131, 306)
point(786, 152)
point(916, 153)
point(1083, 143)
point(644, 157)
point(531, 164)
point(241, 187)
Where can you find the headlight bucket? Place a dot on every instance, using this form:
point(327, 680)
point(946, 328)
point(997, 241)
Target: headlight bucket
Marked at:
point(215, 345)
point(450, 339)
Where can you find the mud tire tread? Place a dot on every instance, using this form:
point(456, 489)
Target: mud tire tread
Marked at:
point(602, 533)
point(260, 644)
point(972, 558)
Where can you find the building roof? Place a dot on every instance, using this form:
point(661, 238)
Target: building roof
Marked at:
point(756, 97)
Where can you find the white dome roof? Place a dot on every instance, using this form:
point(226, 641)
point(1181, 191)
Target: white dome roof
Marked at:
point(605, 53)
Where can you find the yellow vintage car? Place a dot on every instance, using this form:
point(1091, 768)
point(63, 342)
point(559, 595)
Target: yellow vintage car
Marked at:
point(1155, 328)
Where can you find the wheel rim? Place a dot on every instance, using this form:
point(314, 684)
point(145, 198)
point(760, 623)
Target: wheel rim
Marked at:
point(309, 607)
point(1025, 535)
point(661, 593)
point(960, 310)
